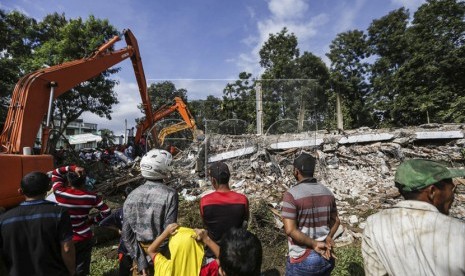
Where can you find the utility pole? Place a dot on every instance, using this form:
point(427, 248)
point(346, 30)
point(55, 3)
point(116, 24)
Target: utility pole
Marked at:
point(340, 122)
point(259, 107)
point(125, 131)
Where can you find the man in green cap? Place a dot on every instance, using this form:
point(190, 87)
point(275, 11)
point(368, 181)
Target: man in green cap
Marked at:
point(416, 237)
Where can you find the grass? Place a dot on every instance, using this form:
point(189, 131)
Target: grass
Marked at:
point(262, 223)
point(349, 261)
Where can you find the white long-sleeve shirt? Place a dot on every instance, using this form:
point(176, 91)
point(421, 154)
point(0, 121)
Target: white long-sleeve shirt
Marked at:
point(413, 238)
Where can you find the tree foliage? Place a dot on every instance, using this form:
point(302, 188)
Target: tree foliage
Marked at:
point(348, 54)
point(294, 85)
point(239, 99)
point(32, 45)
point(163, 93)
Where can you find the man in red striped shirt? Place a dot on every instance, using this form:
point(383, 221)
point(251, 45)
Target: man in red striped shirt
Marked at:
point(310, 221)
point(71, 193)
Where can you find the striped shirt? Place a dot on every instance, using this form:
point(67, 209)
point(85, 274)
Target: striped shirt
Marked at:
point(79, 203)
point(311, 205)
point(413, 238)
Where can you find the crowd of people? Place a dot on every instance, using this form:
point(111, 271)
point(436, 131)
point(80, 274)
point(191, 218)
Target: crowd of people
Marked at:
point(415, 237)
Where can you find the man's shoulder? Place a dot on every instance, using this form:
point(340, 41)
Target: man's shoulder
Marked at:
point(150, 188)
point(215, 197)
point(308, 186)
point(36, 209)
point(238, 195)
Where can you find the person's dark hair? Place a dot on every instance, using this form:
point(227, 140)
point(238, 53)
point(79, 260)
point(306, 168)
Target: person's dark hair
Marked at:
point(75, 180)
point(240, 253)
point(220, 172)
point(34, 184)
point(305, 164)
point(223, 179)
point(407, 195)
point(412, 195)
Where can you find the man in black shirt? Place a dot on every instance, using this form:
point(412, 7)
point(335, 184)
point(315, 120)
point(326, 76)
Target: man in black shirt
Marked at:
point(36, 236)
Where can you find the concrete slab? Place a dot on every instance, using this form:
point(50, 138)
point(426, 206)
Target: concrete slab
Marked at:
point(231, 154)
point(429, 135)
point(297, 144)
point(366, 138)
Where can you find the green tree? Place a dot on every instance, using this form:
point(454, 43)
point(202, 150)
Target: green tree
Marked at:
point(349, 68)
point(312, 99)
point(431, 82)
point(163, 93)
point(389, 43)
point(294, 85)
point(278, 57)
point(239, 99)
point(210, 109)
point(16, 46)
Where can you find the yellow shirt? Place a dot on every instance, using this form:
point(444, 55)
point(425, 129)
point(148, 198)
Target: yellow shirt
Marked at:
point(186, 255)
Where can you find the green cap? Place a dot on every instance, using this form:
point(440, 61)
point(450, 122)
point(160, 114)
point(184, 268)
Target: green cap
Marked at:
point(416, 174)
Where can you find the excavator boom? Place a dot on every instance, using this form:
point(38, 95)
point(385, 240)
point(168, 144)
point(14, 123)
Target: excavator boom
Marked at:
point(32, 98)
point(161, 113)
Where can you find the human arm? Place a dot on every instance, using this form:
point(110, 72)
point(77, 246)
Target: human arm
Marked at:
point(171, 214)
point(290, 227)
point(104, 210)
point(334, 223)
point(68, 254)
point(202, 235)
point(58, 180)
point(169, 231)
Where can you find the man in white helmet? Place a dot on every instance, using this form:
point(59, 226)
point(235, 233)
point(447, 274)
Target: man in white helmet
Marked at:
point(149, 209)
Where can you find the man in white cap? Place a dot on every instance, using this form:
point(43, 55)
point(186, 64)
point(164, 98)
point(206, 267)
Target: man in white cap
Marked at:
point(149, 209)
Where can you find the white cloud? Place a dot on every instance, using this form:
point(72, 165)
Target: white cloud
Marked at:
point(412, 5)
point(346, 20)
point(129, 99)
point(287, 9)
point(283, 13)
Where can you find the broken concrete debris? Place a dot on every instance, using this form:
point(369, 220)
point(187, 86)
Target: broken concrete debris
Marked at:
point(359, 167)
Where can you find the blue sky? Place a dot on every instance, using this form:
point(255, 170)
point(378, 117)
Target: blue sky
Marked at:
point(201, 45)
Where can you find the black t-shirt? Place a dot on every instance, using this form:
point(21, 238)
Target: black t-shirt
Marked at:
point(31, 236)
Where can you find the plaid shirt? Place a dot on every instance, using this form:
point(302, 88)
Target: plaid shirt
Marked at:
point(147, 211)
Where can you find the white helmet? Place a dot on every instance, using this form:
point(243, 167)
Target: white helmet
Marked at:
point(156, 164)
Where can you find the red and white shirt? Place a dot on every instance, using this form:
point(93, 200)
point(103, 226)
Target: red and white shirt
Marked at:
point(79, 203)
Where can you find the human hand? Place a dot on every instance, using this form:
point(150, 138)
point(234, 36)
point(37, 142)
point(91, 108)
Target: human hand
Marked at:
point(171, 229)
point(329, 242)
point(200, 235)
point(79, 171)
point(322, 249)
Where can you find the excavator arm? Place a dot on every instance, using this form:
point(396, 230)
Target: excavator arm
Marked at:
point(34, 91)
point(161, 113)
point(173, 129)
point(32, 99)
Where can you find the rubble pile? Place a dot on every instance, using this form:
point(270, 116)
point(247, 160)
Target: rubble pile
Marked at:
point(358, 166)
point(361, 175)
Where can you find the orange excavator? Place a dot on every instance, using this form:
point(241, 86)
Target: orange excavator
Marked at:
point(165, 110)
point(32, 99)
